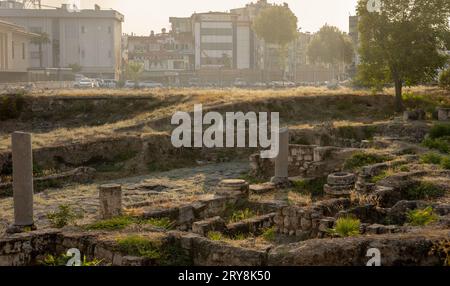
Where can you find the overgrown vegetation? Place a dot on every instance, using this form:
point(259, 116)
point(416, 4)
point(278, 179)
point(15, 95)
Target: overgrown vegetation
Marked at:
point(218, 236)
point(436, 159)
point(442, 249)
point(361, 159)
point(438, 138)
point(65, 215)
point(346, 226)
point(61, 260)
point(269, 234)
point(314, 187)
point(421, 217)
point(239, 215)
point(424, 190)
point(444, 79)
point(140, 246)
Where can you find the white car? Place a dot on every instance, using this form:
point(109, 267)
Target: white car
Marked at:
point(130, 84)
point(150, 84)
point(109, 83)
point(84, 83)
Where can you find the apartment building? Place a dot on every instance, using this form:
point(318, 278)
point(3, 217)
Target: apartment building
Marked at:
point(14, 56)
point(221, 41)
point(164, 55)
point(90, 38)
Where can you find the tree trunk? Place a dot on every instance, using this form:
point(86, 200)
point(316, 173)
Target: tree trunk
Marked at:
point(398, 95)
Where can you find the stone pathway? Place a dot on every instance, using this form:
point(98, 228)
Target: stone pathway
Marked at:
point(159, 190)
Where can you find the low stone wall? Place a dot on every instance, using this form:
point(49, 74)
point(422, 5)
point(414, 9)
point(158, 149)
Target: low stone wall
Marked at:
point(309, 221)
point(79, 175)
point(304, 160)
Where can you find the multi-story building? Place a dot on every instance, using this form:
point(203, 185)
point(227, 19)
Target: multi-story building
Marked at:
point(89, 38)
point(222, 40)
point(14, 56)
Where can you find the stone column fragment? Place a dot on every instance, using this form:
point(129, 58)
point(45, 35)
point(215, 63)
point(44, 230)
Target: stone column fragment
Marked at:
point(282, 160)
point(110, 196)
point(22, 159)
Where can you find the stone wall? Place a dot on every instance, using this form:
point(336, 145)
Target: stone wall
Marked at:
point(309, 221)
point(304, 160)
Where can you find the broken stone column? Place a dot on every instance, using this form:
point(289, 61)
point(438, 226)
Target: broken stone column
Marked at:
point(22, 160)
point(232, 187)
point(110, 200)
point(282, 160)
point(340, 185)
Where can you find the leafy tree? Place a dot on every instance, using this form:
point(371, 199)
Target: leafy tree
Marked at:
point(134, 71)
point(277, 25)
point(42, 39)
point(330, 46)
point(76, 68)
point(403, 43)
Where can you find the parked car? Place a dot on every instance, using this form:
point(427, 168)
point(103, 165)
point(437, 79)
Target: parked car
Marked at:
point(130, 84)
point(84, 83)
point(240, 83)
point(150, 84)
point(109, 83)
point(260, 84)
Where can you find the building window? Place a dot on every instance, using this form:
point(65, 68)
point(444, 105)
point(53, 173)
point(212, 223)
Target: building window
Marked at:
point(12, 52)
point(83, 30)
point(23, 51)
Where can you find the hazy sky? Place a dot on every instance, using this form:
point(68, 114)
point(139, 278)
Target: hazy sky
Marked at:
point(142, 16)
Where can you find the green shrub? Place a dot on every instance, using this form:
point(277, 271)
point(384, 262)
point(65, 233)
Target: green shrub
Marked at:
point(431, 158)
point(359, 160)
point(241, 215)
point(346, 226)
point(269, 234)
point(64, 216)
point(158, 222)
point(61, 260)
point(441, 144)
point(116, 223)
point(140, 246)
point(445, 162)
point(421, 217)
point(313, 186)
point(444, 79)
point(424, 190)
point(11, 106)
point(439, 130)
point(215, 235)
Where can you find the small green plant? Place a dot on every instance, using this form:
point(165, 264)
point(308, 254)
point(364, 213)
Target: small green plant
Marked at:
point(116, 223)
point(241, 215)
point(61, 260)
point(439, 130)
point(404, 168)
point(445, 163)
point(379, 177)
point(165, 223)
point(346, 226)
point(424, 190)
point(431, 158)
point(421, 217)
point(439, 144)
point(359, 160)
point(313, 186)
point(269, 234)
point(140, 246)
point(64, 216)
point(215, 235)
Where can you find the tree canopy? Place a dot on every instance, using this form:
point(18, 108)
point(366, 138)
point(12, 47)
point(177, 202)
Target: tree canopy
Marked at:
point(276, 25)
point(330, 46)
point(404, 43)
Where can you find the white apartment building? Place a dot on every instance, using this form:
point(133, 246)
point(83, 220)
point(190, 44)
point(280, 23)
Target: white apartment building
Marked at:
point(88, 38)
point(221, 41)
